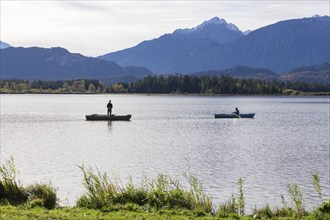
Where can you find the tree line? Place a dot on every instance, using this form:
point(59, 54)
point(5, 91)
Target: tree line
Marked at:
point(189, 84)
point(221, 85)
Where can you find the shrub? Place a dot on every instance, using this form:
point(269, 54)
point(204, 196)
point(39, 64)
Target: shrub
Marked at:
point(84, 201)
point(322, 212)
point(325, 207)
point(45, 193)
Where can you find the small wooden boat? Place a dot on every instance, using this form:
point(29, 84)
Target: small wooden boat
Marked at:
point(250, 115)
point(97, 117)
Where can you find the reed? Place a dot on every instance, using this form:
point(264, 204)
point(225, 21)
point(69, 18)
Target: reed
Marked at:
point(11, 191)
point(317, 186)
point(160, 192)
point(235, 207)
point(296, 196)
point(228, 209)
point(240, 199)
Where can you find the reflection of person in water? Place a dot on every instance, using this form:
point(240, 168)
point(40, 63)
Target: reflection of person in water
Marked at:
point(110, 125)
point(109, 106)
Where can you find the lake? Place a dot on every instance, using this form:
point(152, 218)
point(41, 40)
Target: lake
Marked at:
point(48, 137)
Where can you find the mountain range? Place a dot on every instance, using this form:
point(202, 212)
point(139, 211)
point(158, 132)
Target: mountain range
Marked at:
point(59, 64)
point(297, 49)
point(216, 45)
point(314, 73)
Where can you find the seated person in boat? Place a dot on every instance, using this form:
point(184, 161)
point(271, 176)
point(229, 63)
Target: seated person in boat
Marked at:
point(236, 112)
point(109, 106)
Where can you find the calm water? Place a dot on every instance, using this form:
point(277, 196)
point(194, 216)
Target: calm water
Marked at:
point(286, 142)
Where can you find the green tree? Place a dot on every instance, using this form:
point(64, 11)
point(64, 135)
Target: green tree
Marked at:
point(91, 88)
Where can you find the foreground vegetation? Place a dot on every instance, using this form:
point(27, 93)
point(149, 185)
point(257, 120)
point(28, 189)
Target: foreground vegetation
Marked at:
point(176, 84)
point(159, 198)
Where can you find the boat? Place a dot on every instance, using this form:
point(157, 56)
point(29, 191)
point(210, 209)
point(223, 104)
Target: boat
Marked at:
point(232, 115)
point(97, 117)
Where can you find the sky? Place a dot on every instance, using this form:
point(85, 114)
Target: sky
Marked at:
point(94, 28)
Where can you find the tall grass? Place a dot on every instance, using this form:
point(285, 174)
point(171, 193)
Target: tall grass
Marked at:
point(11, 191)
point(160, 192)
point(296, 196)
point(228, 209)
point(317, 186)
point(240, 199)
point(235, 207)
point(297, 209)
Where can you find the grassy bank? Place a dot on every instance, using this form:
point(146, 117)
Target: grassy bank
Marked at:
point(159, 198)
point(73, 213)
point(20, 213)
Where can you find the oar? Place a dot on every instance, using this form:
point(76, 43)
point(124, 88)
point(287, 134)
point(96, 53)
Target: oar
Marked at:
point(236, 115)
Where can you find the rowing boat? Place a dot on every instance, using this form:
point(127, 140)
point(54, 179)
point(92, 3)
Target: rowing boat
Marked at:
point(97, 117)
point(250, 115)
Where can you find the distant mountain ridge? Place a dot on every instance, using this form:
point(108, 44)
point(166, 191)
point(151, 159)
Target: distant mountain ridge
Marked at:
point(315, 73)
point(294, 50)
point(4, 45)
point(155, 53)
point(281, 46)
point(58, 63)
point(243, 72)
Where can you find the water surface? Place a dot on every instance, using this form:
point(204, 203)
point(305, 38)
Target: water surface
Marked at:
point(287, 141)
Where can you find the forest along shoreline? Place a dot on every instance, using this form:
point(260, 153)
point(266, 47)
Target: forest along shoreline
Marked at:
point(175, 85)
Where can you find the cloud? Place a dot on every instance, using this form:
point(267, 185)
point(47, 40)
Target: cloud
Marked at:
point(81, 5)
point(277, 6)
point(98, 27)
point(177, 19)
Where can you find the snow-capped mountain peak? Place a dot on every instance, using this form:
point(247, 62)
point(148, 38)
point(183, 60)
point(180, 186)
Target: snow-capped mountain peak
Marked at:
point(316, 16)
point(213, 23)
point(217, 21)
point(4, 45)
point(213, 30)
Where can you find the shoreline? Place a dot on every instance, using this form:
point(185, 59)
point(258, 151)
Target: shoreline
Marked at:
point(173, 94)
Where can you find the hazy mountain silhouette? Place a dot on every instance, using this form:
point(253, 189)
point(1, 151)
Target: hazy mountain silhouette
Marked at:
point(281, 46)
point(58, 63)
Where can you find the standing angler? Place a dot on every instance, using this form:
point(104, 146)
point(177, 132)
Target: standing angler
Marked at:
point(109, 106)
